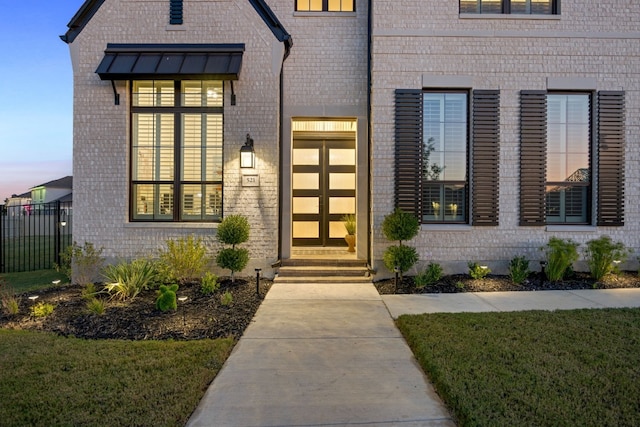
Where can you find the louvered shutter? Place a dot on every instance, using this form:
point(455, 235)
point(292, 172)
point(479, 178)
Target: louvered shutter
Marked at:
point(408, 151)
point(175, 12)
point(486, 157)
point(611, 158)
point(533, 157)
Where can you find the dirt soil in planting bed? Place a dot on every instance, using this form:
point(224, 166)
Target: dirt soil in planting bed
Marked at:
point(199, 316)
point(496, 283)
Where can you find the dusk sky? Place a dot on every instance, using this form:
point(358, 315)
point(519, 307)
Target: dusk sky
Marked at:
point(36, 112)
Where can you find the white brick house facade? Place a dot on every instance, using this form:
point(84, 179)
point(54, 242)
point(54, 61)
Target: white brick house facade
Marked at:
point(346, 67)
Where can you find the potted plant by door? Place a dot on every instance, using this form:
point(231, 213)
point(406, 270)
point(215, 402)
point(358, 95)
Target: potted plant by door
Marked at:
point(350, 225)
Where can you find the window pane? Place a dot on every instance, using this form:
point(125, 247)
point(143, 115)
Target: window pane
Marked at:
point(152, 201)
point(568, 146)
point(541, 7)
point(192, 201)
point(521, 6)
point(445, 133)
point(152, 146)
point(213, 202)
point(469, 6)
point(153, 93)
point(340, 5)
point(491, 6)
point(192, 147)
point(444, 203)
point(213, 147)
point(196, 93)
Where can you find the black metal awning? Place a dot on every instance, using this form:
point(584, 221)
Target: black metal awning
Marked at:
point(171, 61)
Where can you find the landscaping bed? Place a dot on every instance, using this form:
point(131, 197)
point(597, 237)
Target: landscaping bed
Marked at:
point(199, 316)
point(497, 283)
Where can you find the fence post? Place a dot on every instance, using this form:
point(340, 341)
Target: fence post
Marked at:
point(58, 241)
point(3, 221)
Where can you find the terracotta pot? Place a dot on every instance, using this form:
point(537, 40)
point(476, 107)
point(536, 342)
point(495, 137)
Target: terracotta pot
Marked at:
point(351, 241)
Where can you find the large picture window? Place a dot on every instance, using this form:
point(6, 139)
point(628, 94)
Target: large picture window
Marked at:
point(177, 150)
point(527, 7)
point(568, 179)
point(445, 138)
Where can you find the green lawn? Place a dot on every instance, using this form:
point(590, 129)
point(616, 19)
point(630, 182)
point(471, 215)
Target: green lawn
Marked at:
point(47, 380)
point(564, 368)
point(31, 280)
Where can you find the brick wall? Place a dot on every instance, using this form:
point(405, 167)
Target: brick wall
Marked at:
point(414, 40)
point(101, 129)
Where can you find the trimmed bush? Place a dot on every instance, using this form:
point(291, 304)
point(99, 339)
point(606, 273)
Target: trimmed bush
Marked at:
point(167, 298)
point(400, 226)
point(403, 257)
point(233, 230)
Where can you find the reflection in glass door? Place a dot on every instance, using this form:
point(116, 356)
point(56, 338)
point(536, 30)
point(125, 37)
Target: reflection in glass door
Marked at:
point(324, 190)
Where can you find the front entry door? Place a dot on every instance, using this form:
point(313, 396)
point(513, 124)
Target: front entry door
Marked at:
point(324, 190)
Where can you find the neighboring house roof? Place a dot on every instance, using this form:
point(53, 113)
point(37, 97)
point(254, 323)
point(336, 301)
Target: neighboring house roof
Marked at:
point(65, 198)
point(90, 7)
point(66, 182)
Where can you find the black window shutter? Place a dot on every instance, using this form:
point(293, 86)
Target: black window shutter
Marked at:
point(533, 157)
point(486, 157)
point(175, 12)
point(611, 146)
point(408, 151)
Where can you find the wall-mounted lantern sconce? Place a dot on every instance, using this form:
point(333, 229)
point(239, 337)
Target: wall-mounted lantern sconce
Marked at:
point(247, 154)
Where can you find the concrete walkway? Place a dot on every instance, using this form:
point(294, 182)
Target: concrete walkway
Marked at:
point(511, 301)
point(321, 355)
point(330, 355)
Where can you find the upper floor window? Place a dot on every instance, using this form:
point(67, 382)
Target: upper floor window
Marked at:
point(526, 7)
point(176, 150)
point(325, 5)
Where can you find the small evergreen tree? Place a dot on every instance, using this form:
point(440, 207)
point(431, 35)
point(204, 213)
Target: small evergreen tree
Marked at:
point(233, 230)
point(400, 226)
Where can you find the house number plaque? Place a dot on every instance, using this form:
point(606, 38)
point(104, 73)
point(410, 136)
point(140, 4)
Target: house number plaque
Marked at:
point(250, 180)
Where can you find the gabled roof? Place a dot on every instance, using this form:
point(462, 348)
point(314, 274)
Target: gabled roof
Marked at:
point(90, 7)
point(66, 182)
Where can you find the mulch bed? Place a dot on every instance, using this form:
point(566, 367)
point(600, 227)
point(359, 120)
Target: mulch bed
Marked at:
point(199, 316)
point(496, 283)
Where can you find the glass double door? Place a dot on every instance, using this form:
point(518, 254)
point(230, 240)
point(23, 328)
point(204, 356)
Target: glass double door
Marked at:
point(324, 190)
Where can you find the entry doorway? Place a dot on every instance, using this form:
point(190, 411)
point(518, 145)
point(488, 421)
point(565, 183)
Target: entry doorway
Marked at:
point(323, 186)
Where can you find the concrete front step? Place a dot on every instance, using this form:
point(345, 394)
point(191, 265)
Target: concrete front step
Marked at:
point(318, 262)
point(317, 270)
point(322, 279)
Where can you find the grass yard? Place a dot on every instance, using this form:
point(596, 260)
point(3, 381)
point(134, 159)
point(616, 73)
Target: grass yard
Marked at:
point(564, 368)
point(32, 280)
point(54, 381)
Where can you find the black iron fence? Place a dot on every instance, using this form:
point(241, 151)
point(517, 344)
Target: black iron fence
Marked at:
point(33, 236)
